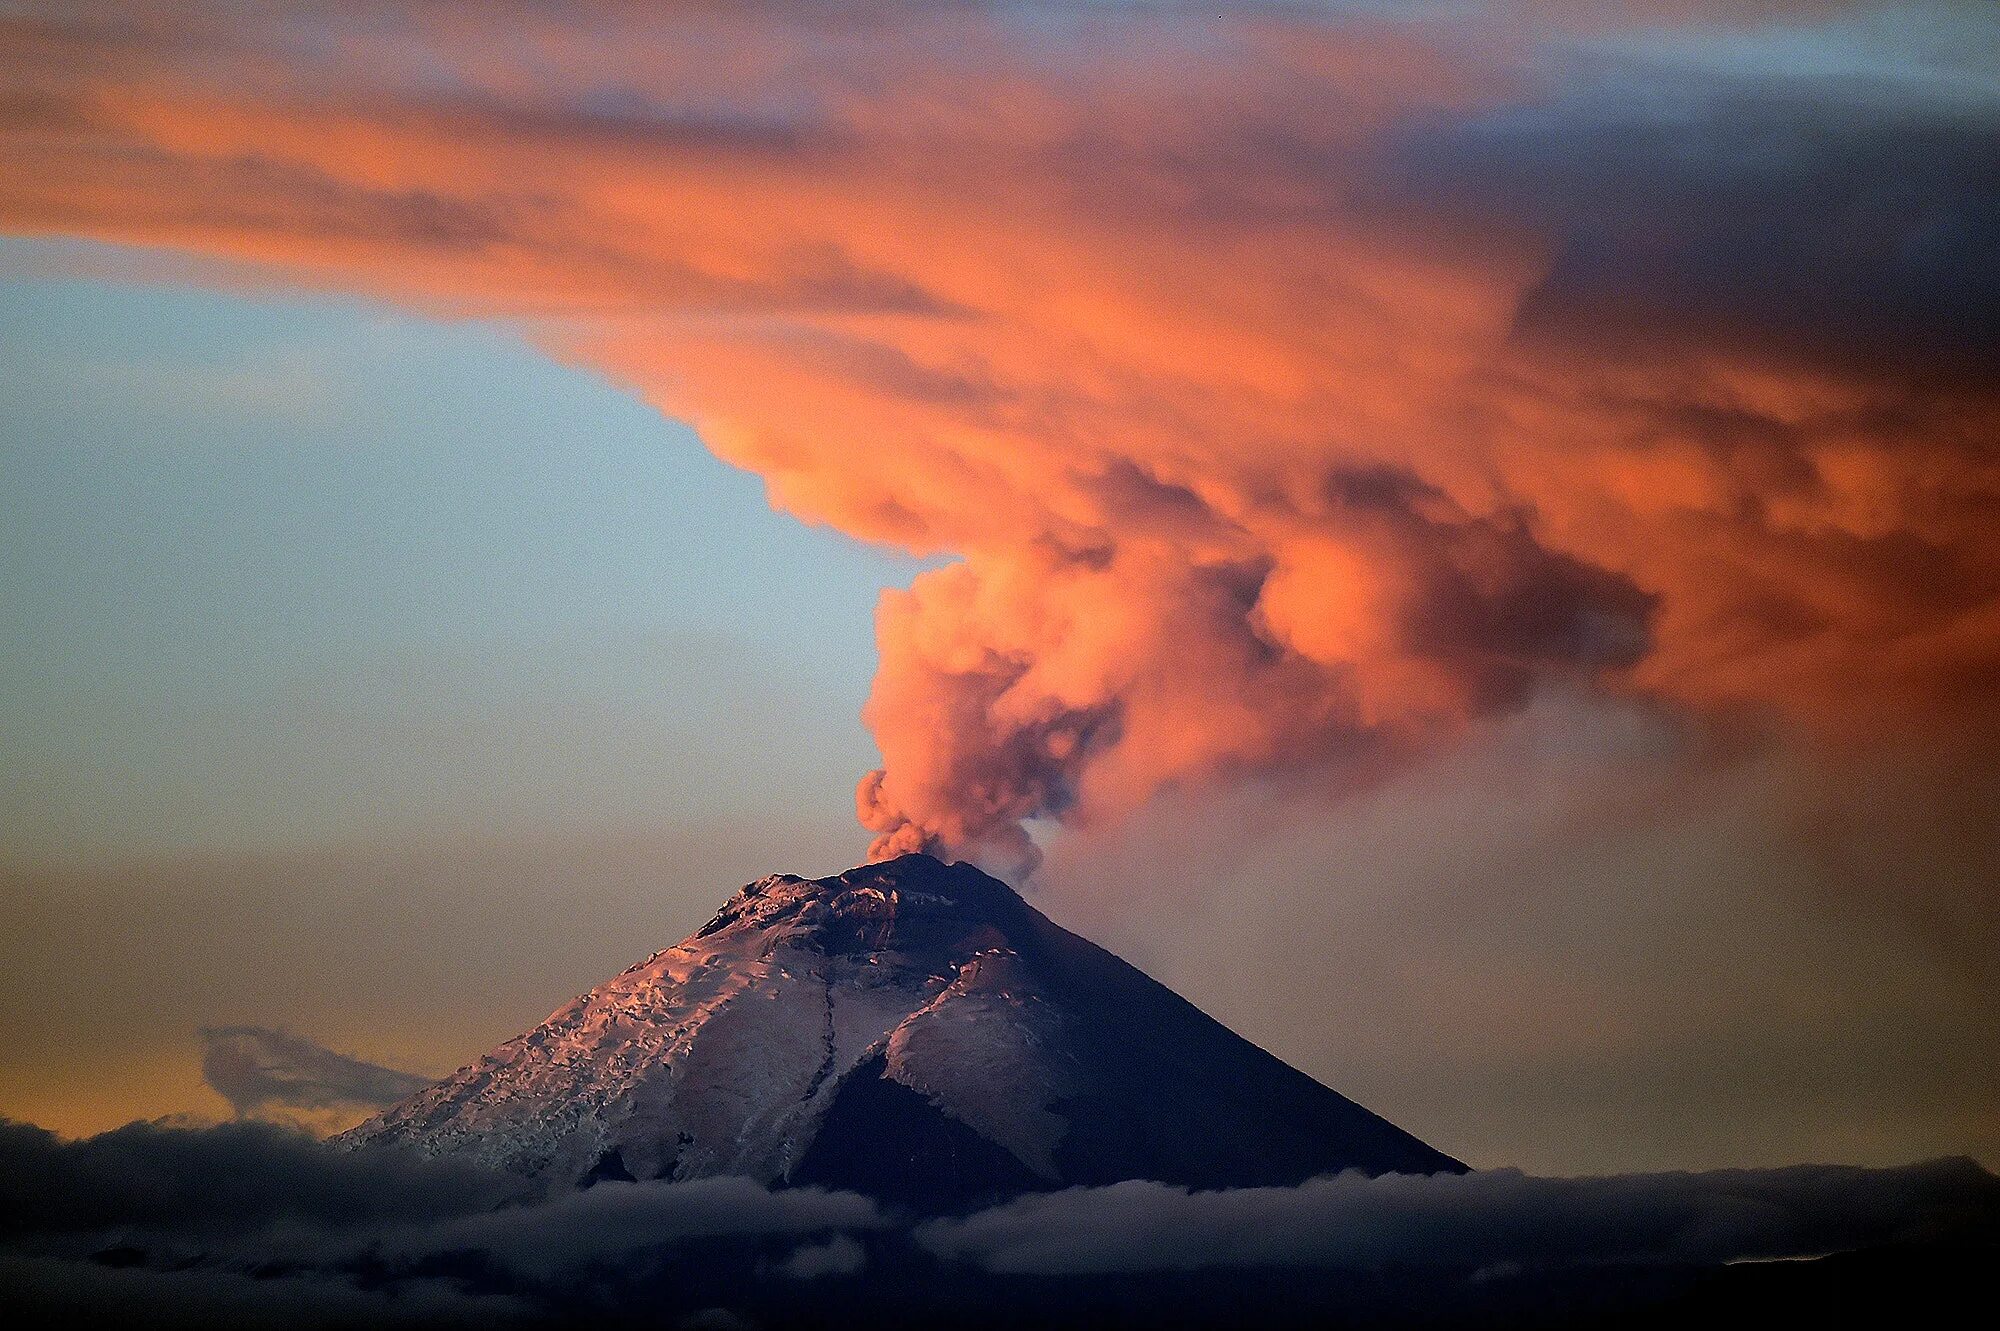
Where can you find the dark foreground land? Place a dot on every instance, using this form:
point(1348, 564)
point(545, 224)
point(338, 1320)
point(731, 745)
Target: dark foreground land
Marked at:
point(729, 1288)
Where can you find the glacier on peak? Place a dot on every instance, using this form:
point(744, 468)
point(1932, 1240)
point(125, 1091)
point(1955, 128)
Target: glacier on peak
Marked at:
point(909, 1029)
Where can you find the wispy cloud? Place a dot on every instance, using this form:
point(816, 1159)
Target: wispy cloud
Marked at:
point(261, 1071)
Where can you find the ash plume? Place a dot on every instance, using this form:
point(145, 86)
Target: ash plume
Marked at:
point(1261, 439)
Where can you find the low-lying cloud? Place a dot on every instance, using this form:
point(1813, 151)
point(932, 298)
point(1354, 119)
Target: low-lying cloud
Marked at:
point(213, 1205)
point(231, 1179)
point(1478, 1220)
point(254, 1222)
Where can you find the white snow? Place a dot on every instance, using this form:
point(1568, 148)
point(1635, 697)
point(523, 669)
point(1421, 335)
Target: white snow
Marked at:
point(720, 1055)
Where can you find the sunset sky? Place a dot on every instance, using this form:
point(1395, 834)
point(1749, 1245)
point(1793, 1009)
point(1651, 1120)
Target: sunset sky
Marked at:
point(1464, 537)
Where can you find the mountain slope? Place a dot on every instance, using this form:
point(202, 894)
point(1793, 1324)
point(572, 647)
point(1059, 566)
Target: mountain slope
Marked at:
point(909, 1029)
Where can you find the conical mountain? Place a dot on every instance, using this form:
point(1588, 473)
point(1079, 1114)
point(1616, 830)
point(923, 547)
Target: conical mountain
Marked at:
point(909, 1029)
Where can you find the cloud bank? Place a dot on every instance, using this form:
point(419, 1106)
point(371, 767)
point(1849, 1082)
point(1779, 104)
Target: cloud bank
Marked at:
point(1479, 1220)
point(261, 1223)
point(232, 1179)
point(1294, 388)
point(254, 1224)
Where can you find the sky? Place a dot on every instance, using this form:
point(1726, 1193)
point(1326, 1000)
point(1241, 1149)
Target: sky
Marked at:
point(1458, 535)
point(257, 543)
point(309, 601)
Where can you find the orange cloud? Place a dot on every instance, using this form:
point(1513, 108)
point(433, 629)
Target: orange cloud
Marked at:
point(1290, 392)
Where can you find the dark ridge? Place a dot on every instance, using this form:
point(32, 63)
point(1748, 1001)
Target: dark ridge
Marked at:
point(610, 1168)
point(1201, 1136)
point(886, 1141)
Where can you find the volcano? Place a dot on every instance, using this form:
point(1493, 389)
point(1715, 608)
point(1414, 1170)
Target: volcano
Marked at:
point(910, 1029)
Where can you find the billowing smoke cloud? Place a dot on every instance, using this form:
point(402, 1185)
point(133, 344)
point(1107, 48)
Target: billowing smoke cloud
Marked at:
point(1294, 388)
point(1385, 615)
point(260, 1070)
point(1479, 1220)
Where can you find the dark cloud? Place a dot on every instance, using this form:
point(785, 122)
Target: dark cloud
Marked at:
point(247, 1183)
point(255, 1224)
point(230, 1179)
point(48, 1291)
point(1478, 1220)
point(256, 1068)
point(1491, 603)
point(1682, 214)
point(252, 1225)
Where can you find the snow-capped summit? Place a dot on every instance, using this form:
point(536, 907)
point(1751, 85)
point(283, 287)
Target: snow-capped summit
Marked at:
point(910, 1029)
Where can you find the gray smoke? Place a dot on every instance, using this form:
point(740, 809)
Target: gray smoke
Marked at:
point(257, 1069)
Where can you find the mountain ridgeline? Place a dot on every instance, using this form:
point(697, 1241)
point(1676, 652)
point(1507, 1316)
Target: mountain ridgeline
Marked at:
point(911, 1030)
